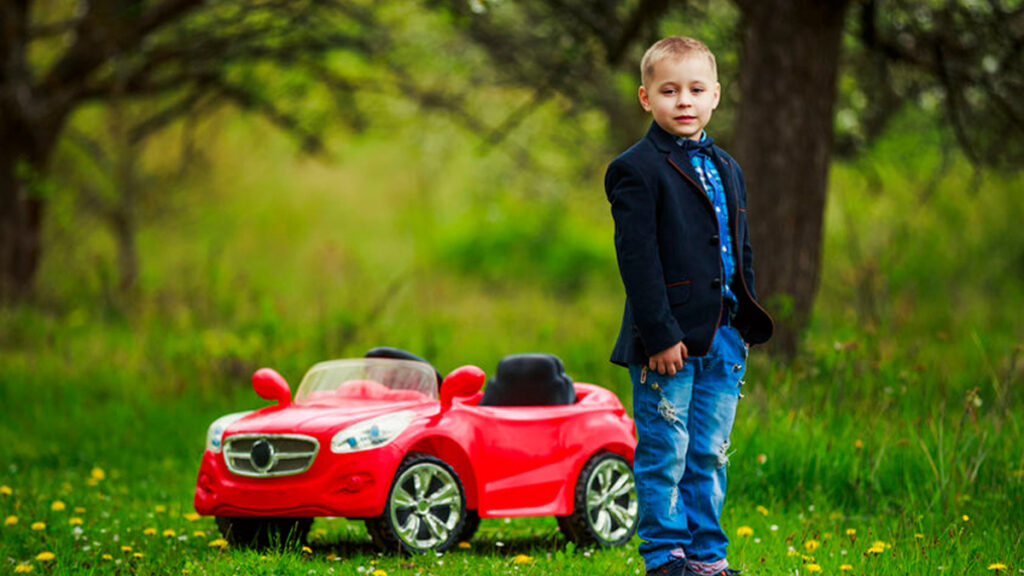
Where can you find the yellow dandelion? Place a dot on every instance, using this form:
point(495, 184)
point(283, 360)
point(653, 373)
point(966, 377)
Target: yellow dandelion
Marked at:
point(92, 482)
point(138, 555)
point(465, 545)
point(58, 506)
point(169, 533)
point(75, 521)
point(919, 536)
point(813, 568)
point(811, 545)
point(192, 517)
point(149, 531)
point(807, 559)
point(762, 510)
point(845, 567)
point(45, 556)
point(199, 534)
point(378, 572)
point(23, 568)
point(998, 566)
point(743, 531)
point(881, 544)
point(858, 444)
point(126, 548)
point(875, 550)
point(851, 532)
point(218, 543)
point(107, 557)
point(10, 521)
point(966, 518)
point(307, 549)
point(37, 526)
point(6, 490)
point(791, 552)
point(79, 510)
point(97, 474)
point(522, 559)
point(160, 508)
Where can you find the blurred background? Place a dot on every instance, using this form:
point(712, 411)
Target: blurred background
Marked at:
point(192, 190)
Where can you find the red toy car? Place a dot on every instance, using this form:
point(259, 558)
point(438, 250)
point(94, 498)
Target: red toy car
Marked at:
point(371, 438)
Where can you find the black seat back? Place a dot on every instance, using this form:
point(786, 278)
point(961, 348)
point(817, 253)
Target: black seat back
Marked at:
point(529, 380)
point(399, 354)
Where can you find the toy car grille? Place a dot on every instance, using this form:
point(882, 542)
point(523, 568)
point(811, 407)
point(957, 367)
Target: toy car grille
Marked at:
point(269, 454)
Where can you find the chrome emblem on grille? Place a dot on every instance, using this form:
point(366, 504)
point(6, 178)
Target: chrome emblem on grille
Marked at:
point(265, 455)
point(262, 455)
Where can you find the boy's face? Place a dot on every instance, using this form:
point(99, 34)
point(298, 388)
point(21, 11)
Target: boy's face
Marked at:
point(681, 94)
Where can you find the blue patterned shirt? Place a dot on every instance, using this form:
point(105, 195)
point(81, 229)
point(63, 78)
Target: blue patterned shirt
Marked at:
point(711, 180)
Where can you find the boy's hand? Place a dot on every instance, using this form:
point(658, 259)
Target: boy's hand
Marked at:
point(670, 360)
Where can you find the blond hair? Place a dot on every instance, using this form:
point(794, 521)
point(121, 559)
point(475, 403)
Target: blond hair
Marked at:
point(677, 47)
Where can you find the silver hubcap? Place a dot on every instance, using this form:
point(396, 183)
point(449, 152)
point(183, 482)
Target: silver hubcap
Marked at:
point(426, 505)
point(611, 500)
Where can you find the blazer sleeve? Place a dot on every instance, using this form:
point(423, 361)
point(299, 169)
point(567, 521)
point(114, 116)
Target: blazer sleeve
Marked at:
point(634, 209)
point(748, 251)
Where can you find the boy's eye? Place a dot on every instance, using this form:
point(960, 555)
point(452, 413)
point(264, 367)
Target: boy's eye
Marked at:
point(668, 91)
point(697, 90)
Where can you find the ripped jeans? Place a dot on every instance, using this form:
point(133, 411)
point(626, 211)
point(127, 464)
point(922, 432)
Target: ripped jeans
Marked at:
point(683, 424)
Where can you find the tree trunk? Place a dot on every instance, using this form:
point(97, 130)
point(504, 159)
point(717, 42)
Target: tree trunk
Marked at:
point(21, 219)
point(783, 140)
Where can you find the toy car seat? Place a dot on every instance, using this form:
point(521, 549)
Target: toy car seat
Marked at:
point(529, 380)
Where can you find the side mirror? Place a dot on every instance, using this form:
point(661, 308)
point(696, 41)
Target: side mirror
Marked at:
point(270, 385)
point(463, 381)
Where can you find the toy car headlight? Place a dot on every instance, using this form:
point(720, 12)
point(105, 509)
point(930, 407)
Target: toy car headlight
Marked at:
point(215, 434)
point(371, 433)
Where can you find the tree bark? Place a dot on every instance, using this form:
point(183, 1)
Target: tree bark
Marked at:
point(22, 205)
point(788, 72)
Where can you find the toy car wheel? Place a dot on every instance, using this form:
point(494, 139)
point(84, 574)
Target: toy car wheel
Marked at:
point(425, 510)
point(605, 510)
point(258, 532)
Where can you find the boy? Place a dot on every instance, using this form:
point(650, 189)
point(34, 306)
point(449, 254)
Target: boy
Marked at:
point(679, 205)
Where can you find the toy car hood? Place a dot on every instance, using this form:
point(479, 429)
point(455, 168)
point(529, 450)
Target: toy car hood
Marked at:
point(314, 420)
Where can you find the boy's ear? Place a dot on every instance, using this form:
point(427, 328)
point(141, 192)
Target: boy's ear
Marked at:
point(644, 103)
point(718, 95)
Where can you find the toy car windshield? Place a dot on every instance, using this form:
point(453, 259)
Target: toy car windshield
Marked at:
point(367, 379)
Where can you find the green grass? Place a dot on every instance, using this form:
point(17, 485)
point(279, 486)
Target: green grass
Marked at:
point(901, 417)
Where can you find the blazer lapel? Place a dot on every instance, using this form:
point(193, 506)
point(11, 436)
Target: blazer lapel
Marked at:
point(680, 162)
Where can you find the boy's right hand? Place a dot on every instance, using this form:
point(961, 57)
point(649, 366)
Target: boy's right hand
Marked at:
point(670, 360)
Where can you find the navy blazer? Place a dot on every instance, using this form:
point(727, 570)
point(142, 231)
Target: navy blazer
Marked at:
point(666, 239)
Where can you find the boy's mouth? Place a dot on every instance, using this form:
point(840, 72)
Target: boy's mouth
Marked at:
point(685, 118)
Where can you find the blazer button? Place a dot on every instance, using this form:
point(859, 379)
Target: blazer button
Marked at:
point(714, 240)
point(716, 283)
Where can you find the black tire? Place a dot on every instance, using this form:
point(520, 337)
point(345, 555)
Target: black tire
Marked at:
point(425, 510)
point(604, 504)
point(270, 532)
point(469, 526)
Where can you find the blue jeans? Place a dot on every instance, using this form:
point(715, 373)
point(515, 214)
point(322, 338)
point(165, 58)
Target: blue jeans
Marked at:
point(683, 424)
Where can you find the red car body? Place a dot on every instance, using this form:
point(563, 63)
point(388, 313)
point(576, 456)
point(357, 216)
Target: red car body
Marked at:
point(510, 460)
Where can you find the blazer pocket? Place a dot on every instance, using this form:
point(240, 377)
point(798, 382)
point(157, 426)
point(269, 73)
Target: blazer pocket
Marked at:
point(678, 292)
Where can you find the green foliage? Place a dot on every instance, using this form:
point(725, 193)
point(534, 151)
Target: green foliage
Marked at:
point(512, 243)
